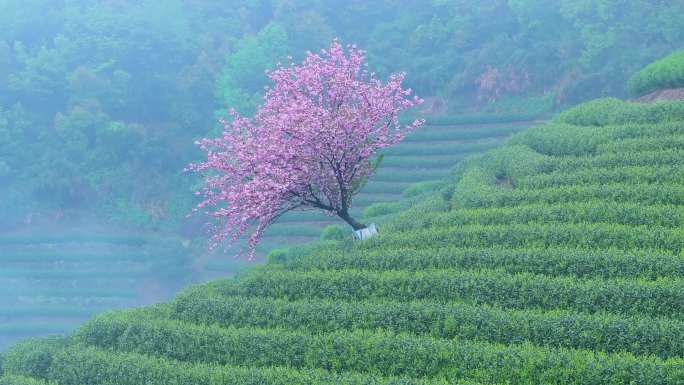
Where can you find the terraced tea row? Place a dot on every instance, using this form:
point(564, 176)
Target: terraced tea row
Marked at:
point(379, 353)
point(660, 297)
point(550, 261)
point(54, 281)
point(556, 259)
point(426, 156)
point(609, 333)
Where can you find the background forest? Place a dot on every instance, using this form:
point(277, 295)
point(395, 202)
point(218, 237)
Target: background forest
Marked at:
point(101, 101)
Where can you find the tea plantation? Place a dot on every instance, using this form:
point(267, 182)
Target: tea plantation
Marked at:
point(54, 280)
point(555, 259)
point(417, 165)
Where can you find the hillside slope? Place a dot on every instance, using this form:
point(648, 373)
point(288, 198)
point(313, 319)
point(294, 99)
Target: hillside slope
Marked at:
point(414, 166)
point(58, 278)
point(556, 259)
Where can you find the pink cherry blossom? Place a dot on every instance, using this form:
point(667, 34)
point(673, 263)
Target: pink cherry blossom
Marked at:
point(309, 145)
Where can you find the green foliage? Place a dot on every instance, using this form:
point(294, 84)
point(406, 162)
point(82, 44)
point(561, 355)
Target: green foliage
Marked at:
point(348, 351)
point(667, 72)
point(556, 261)
point(661, 297)
point(109, 97)
point(384, 208)
point(242, 78)
point(611, 333)
point(20, 380)
point(98, 366)
point(334, 233)
point(32, 357)
point(611, 111)
point(556, 258)
point(421, 188)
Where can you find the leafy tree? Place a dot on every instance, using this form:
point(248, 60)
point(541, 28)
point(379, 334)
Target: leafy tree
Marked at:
point(308, 147)
point(242, 82)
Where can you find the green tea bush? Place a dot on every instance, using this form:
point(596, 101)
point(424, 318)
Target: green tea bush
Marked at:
point(511, 161)
point(592, 211)
point(634, 174)
point(668, 157)
point(605, 332)
point(384, 353)
point(334, 233)
point(661, 297)
point(642, 144)
point(486, 174)
point(472, 185)
point(385, 208)
point(550, 261)
point(422, 188)
point(667, 72)
point(611, 111)
point(428, 205)
point(21, 380)
point(558, 139)
point(364, 199)
point(103, 367)
point(32, 357)
point(646, 193)
point(582, 235)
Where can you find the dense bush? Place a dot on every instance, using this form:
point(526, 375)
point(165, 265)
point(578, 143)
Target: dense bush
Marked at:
point(21, 380)
point(611, 111)
point(667, 157)
point(591, 211)
point(32, 357)
point(563, 140)
point(610, 333)
point(421, 188)
point(661, 297)
point(635, 174)
point(334, 233)
point(375, 352)
point(582, 235)
point(647, 193)
point(103, 367)
point(550, 261)
point(667, 72)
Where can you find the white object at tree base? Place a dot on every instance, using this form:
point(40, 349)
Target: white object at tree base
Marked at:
point(366, 233)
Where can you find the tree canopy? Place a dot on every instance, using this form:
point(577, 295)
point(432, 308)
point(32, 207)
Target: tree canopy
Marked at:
point(309, 146)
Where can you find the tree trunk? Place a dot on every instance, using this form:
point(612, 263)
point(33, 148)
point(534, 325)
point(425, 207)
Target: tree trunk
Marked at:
point(352, 222)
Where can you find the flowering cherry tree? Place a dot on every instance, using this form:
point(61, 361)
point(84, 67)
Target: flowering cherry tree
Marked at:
point(311, 144)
